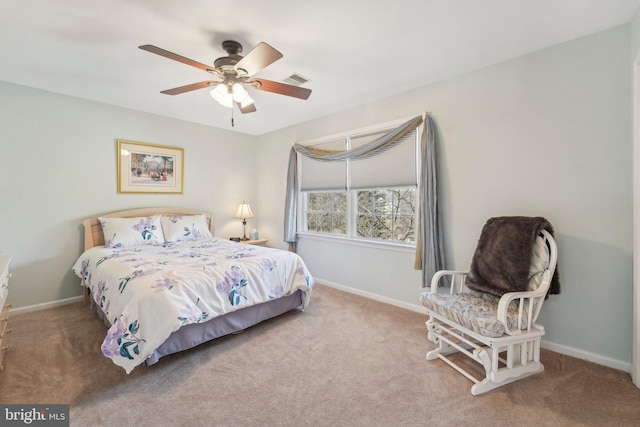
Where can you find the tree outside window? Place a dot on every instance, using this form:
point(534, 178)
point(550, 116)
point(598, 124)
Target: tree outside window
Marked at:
point(326, 212)
point(386, 214)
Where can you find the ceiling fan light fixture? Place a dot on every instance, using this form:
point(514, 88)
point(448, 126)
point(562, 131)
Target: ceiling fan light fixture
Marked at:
point(246, 102)
point(240, 95)
point(221, 94)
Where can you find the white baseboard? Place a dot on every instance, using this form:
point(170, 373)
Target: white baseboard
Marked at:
point(558, 348)
point(586, 355)
point(370, 295)
point(45, 305)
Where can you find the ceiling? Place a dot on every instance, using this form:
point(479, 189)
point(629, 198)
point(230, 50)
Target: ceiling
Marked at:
point(352, 51)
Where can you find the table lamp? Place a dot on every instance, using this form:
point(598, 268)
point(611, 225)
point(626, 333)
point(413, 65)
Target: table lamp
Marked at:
point(244, 212)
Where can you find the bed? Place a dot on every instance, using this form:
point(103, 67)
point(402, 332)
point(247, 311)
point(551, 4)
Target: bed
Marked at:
point(163, 283)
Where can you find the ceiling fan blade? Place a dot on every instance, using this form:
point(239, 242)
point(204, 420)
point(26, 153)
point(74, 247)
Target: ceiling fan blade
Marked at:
point(281, 88)
point(251, 108)
point(188, 88)
point(259, 57)
point(175, 57)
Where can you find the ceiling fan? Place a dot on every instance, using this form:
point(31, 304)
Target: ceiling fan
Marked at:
point(235, 72)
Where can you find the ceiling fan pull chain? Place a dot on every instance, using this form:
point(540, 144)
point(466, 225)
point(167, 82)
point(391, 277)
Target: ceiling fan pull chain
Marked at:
point(232, 123)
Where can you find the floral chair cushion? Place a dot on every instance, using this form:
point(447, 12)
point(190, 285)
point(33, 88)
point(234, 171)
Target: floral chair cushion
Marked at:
point(539, 263)
point(477, 311)
point(473, 312)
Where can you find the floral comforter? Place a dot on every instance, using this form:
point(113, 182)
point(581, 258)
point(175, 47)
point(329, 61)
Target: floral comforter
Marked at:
point(147, 292)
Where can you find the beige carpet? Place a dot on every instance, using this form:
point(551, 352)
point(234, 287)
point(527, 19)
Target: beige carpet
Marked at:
point(345, 361)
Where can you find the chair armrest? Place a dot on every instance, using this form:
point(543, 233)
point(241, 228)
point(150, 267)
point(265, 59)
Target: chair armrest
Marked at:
point(456, 286)
point(525, 297)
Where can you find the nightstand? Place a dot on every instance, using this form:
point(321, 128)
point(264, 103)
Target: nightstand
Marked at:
point(259, 242)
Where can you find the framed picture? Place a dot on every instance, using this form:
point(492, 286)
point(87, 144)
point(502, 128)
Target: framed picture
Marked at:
point(149, 168)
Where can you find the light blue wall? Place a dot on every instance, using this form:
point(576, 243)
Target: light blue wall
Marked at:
point(58, 166)
point(546, 134)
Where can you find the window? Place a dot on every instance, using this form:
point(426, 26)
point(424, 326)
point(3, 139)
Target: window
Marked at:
point(326, 212)
point(386, 214)
point(370, 199)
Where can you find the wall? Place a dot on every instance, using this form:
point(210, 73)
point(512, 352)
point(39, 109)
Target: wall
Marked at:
point(546, 134)
point(58, 166)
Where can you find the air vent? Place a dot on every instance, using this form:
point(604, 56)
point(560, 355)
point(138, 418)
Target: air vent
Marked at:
point(296, 79)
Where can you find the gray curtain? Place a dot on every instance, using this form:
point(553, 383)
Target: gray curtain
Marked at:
point(291, 202)
point(429, 248)
point(429, 244)
point(368, 150)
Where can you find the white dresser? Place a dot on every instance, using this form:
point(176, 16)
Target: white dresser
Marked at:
point(4, 305)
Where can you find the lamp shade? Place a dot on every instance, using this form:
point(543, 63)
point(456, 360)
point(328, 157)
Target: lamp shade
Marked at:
point(221, 94)
point(240, 95)
point(244, 211)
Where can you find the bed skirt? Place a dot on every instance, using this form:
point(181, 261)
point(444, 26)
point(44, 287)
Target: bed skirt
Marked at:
point(191, 335)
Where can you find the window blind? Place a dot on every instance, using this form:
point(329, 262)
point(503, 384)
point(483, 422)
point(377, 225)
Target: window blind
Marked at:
point(395, 166)
point(319, 175)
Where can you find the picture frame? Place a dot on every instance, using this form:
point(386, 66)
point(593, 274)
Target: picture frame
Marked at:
point(149, 168)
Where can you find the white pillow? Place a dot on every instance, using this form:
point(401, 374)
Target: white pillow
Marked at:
point(185, 228)
point(120, 232)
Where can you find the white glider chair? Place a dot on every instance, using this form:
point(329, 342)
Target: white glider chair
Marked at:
point(498, 332)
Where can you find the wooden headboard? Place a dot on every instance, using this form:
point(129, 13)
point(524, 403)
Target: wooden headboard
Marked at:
point(93, 230)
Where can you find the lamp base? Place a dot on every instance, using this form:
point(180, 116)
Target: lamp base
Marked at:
point(244, 230)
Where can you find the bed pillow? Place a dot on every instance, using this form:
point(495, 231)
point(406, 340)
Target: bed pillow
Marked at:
point(121, 232)
point(185, 228)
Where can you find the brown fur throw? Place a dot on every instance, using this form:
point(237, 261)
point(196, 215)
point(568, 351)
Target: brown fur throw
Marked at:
point(502, 257)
